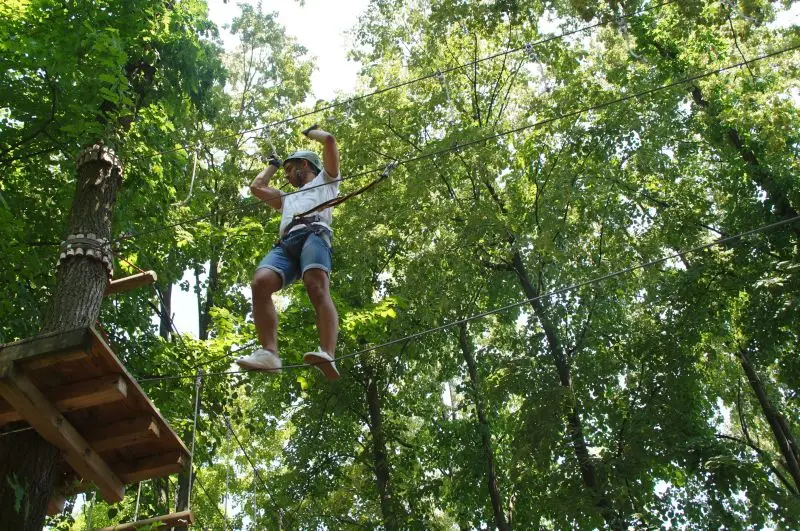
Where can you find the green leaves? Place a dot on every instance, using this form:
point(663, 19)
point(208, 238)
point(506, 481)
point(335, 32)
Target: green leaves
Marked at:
point(642, 370)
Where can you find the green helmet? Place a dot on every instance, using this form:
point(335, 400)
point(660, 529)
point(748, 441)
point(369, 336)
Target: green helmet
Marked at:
point(309, 156)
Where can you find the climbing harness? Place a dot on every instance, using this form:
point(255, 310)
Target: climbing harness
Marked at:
point(308, 221)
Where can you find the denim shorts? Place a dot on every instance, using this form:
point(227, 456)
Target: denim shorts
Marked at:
point(299, 251)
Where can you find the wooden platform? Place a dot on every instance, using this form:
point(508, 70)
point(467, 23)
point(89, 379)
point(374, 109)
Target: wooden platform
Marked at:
point(74, 391)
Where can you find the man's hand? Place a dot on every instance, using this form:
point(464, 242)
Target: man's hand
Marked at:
point(307, 131)
point(260, 186)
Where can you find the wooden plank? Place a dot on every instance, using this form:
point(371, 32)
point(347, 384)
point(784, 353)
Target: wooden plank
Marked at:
point(122, 434)
point(135, 392)
point(45, 362)
point(169, 521)
point(45, 345)
point(151, 467)
point(131, 282)
point(81, 395)
point(20, 392)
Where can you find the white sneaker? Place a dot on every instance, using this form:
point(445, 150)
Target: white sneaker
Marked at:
point(324, 362)
point(261, 360)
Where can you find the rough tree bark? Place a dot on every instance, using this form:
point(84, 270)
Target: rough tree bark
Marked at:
point(210, 299)
point(28, 462)
point(379, 453)
point(468, 351)
point(164, 324)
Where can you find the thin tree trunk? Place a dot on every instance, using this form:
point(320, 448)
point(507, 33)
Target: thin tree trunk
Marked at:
point(468, 351)
point(380, 455)
point(211, 289)
point(165, 326)
point(28, 462)
point(182, 495)
point(585, 462)
point(186, 478)
point(780, 429)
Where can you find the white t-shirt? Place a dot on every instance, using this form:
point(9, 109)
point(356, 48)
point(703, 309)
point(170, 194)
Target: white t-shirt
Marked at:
point(303, 200)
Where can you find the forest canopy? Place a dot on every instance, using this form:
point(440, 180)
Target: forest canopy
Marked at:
point(573, 304)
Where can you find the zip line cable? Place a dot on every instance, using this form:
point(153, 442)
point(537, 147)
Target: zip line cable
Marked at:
point(163, 312)
point(256, 473)
point(459, 146)
point(349, 102)
point(596, 280)
point(205, 492)
point(208, 497)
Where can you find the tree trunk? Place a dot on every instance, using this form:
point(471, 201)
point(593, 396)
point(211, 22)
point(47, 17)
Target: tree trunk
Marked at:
point(780, 428)
point(28, 462)
point(165, 326)
point(211, 289)
point(380, 455)
point(585, 462)
point(485, 431)
point(183, 494)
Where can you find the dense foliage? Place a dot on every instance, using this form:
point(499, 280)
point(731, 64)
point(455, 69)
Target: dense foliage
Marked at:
point(664, 396)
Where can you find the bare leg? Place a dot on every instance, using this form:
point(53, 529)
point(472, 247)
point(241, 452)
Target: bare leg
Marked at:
point(265, 283)
point(318, 288)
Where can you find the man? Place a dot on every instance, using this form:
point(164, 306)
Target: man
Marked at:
point(303, 251)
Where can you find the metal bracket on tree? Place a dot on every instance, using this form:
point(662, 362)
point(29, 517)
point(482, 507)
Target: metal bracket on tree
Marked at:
point(89, 245)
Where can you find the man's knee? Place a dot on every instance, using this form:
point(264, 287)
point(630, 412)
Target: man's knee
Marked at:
point(265, 281)
point(316, 283)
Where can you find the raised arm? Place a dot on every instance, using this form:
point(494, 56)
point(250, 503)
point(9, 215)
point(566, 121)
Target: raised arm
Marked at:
point(330, 151)
point(260, 186)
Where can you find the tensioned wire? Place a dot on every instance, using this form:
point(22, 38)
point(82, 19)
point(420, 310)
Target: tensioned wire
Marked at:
point(459, 146)
point(549, 120)
point(403, 84)
point(389, 88)
point(256, 473)
point(572, 287)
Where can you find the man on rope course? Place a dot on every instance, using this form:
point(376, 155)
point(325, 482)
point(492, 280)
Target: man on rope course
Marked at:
point(303, 251)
